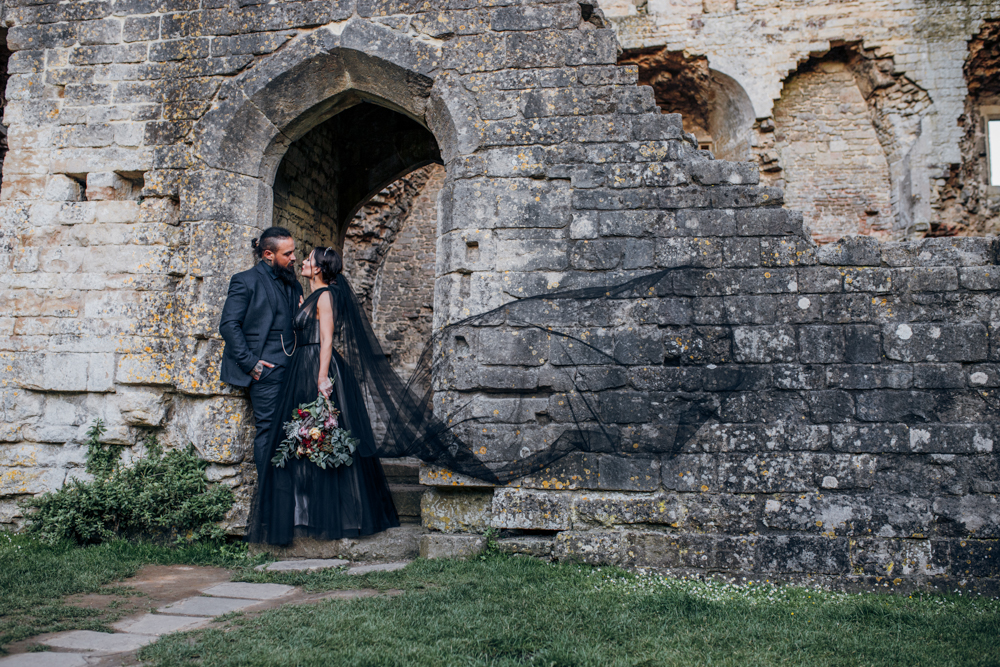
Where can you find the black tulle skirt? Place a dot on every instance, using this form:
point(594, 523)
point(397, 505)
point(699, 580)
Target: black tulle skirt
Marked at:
point(304, 500)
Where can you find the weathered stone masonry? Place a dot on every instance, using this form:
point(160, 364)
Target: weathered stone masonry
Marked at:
point(145, 138)
point(924, 70)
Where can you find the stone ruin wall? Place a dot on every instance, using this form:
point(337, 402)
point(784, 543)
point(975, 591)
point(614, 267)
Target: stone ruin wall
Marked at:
point(144, 142)
point(924, 71)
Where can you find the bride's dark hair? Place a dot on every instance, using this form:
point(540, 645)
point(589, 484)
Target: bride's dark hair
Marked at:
point(329, 263)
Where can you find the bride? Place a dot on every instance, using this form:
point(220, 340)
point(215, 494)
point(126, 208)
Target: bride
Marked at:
point(302, 499)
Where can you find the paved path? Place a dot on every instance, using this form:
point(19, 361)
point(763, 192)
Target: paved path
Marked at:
point(85, 648)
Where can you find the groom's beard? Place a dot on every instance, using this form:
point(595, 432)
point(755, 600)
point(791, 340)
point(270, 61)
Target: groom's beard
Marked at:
point(285, 274)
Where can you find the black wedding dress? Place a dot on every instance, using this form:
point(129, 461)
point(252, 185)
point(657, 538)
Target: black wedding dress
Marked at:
point(302, 499)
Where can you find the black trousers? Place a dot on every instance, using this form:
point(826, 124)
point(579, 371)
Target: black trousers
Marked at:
point(264, 395)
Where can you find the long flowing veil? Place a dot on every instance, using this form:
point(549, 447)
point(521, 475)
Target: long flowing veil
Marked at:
point(579, 357)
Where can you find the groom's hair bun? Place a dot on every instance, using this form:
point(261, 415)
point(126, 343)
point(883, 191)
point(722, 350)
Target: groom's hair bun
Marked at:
point(329, 263)
point(269, 240)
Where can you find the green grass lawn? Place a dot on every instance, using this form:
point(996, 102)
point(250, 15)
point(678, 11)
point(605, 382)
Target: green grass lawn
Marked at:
point(501, 610)
point(35, 578)
point(519, 611)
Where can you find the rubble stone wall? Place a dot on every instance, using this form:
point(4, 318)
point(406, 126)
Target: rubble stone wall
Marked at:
point(403, 304)
point(858, 443)
point(913, 54)
point(833, 167)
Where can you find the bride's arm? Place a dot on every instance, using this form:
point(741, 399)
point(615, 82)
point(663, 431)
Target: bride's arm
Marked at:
point(324, 312)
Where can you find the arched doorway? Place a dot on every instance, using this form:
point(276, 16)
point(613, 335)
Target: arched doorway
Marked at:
point(328, 174)
point(366, 157)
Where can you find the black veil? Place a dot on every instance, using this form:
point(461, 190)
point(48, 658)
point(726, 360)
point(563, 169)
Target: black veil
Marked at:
point(580, 360)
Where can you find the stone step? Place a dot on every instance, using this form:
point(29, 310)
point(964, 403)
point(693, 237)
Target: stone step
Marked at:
point(393, 545)
point(401, 471)
point(406, 497)
point(99, 643)
point(45, 659)
point(160, 624)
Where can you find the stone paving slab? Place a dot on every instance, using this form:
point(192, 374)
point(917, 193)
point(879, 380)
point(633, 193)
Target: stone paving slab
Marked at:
point(378, 567)
point(206, 606)
point(160, 624)
point(240, 589)
point(44, 659)
point(99, 643)
point(303, 565)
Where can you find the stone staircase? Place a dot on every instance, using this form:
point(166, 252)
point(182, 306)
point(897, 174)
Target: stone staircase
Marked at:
point(404, 482)
point(395, 544)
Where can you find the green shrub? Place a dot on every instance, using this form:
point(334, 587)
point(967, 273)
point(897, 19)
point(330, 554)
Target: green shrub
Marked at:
point(162, 497)
point(101, 459)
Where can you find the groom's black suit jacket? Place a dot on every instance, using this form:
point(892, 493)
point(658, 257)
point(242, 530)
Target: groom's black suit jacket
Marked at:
point(257, 306)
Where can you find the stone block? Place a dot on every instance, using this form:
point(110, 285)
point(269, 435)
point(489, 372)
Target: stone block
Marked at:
point(690, 472)
point(377, 567)
point(98, 643)
point(456, 511)
point(974, 558)
point(527, 545)
point(764, 344)
point(958, 251)
point(896, 406)
point(768, 222)
point(951, 438)
point(893, 558)
point(239, 589)
point(801, 553)
point(434, 545)
point(939, 376)
point(622, 473)
point(590, 547)
point(63, 188)
point(220, 427)
point(851, 251)
point(821, 344)
point(160, 624)
point(862, 344)
point(54, 372)
point(831, 405)
point(767, 472)
point(936, 342)
point(875, 438)
point(45, 659)
point(721, 172)
point(524, 508)
point(969, 516)
point(206, 606)
point(576, 470)
point(303, 565)
point(30, 481)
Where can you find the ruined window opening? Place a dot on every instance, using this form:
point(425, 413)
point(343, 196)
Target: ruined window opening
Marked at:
point(713, 106)
point(993, 150)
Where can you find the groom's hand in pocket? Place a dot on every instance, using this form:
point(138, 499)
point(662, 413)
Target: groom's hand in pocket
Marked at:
point(259, 368)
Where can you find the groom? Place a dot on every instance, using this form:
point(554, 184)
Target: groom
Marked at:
point(256, 325)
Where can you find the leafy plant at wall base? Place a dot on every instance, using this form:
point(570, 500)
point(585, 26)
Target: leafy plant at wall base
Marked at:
point(163, 497)
point(101, 458)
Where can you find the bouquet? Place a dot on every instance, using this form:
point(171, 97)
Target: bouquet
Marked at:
point(313, 432)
